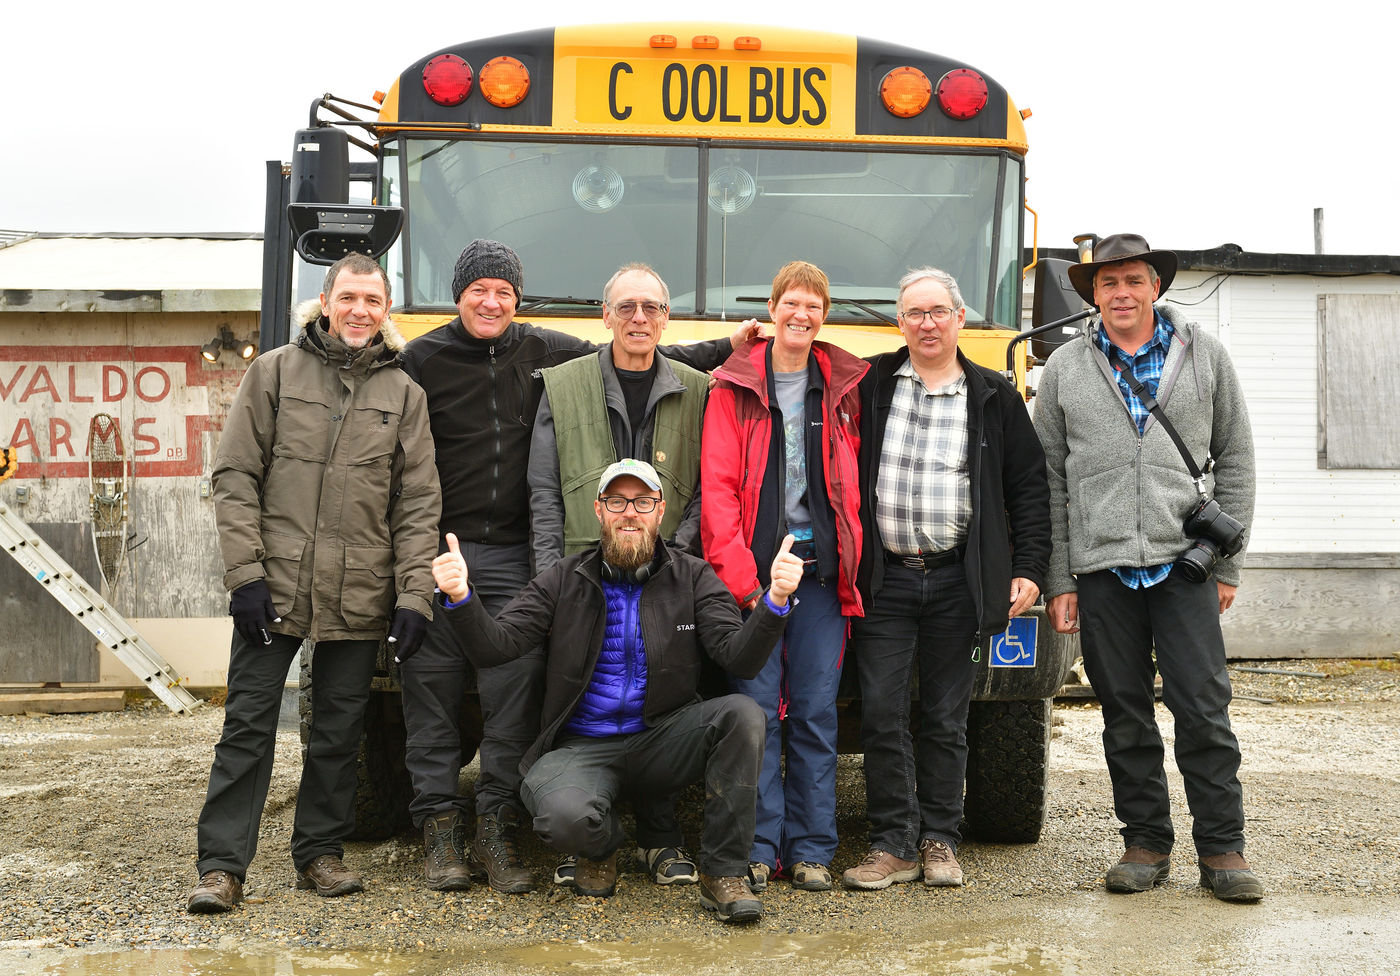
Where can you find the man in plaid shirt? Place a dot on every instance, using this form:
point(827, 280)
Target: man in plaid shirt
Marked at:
point(952, 480)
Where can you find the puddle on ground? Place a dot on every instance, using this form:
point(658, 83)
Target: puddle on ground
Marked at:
point(851, 952)
point(1090, 933)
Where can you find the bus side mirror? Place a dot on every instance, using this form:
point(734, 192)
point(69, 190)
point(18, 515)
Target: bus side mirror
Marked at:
point(1055, 298)
point(325, 233)
point(321, 166)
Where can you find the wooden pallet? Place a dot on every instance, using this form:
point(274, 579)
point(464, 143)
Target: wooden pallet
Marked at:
point(55, 701)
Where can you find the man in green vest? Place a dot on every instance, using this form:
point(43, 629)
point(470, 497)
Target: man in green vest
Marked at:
point(625, 402)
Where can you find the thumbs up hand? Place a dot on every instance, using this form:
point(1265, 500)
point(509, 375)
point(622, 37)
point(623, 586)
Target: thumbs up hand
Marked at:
point(786, 573)
point(450, 572)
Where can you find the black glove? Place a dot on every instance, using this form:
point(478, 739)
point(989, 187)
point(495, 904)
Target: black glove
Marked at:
point(407, 633)
point(251, 606)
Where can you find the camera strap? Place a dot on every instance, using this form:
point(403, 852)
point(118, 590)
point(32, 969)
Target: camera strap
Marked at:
point(1150, 402)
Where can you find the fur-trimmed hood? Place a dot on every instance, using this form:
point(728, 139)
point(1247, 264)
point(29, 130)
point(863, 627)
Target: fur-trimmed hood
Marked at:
point(304, 313)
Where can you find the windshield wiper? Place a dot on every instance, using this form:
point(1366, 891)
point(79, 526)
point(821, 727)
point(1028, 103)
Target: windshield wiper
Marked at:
point(861, 304)
point(544, 301)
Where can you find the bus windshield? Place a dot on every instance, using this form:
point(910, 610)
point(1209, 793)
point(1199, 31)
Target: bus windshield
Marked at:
point(715, 219)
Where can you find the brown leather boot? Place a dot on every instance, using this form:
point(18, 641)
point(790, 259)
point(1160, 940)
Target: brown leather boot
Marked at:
point(444, 837)
point(217, 891)
point(496, 852)
point(329, 877)
point(598, 879)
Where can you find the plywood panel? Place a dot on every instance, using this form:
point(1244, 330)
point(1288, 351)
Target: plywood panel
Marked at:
point(40, 640)
point(1300, 613)
point(1358, 400)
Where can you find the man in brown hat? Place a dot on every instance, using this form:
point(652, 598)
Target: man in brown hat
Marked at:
point(1141, 562)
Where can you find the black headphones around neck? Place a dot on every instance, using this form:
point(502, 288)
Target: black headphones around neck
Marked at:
point(611, 574)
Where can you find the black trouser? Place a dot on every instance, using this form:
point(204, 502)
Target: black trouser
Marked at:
point(341, 672)
point(434, 681)
point(1119, 627)
point(919, 625)
point(573, 789)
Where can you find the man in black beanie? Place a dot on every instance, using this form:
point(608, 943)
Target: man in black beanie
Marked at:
point(481, 373)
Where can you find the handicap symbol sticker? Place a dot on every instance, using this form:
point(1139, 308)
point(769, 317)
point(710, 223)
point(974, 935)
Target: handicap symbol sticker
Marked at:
point(1015, 646)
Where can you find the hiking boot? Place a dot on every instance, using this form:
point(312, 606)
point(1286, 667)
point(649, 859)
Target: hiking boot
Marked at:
point(597, 879)
point(444, 837)
point(217, 891)
point(1229, 877)
point(669, 865)
point(496, 853)
point(329, 877)
point(731, 899)
point(566, 869)
point(1138, 870)
point(879, 869)
point(811, 876)
point(940, 864)
point(759, 873)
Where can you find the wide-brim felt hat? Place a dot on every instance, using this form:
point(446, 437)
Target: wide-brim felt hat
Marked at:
point(1121, 247)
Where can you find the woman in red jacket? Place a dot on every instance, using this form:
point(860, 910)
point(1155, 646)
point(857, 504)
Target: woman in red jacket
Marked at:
point(780, 456)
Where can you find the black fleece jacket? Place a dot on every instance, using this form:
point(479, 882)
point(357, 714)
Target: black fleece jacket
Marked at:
point(1010, 531)
point(483, 395)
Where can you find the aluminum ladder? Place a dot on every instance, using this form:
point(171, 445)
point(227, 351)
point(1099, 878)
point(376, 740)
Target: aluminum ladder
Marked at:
point(86, 604)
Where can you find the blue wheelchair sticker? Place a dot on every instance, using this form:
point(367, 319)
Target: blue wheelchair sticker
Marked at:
point(1015, 646)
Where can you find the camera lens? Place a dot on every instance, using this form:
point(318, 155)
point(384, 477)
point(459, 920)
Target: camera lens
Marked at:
point(1197, 562)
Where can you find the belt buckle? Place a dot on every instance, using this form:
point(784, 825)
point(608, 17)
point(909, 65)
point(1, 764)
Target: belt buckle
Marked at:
point(914, 562)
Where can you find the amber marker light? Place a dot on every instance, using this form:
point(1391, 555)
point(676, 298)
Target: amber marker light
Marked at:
point(663, 40)
point(705, 42)
point(447, 79)
point(747, 42)
point(905, 91)
point(504, 82)
point(962, 93)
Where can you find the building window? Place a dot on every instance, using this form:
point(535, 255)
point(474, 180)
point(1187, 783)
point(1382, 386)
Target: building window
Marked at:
point(1358, 398)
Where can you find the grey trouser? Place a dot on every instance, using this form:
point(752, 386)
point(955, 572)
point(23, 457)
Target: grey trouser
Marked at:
point(435, 681)
point(573, 789)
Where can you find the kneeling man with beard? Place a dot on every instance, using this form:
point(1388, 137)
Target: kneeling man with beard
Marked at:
point(624, 626)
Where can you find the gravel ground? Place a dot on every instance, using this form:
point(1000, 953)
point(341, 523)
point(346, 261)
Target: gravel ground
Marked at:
point(97, 840)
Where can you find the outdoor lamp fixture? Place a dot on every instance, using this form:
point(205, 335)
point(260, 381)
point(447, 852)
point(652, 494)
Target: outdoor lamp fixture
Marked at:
point(224, 340)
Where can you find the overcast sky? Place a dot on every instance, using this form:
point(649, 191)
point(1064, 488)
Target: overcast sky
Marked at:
point(1195, 124)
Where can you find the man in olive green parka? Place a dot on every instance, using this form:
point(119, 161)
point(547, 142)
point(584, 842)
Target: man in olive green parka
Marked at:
point(327, 502)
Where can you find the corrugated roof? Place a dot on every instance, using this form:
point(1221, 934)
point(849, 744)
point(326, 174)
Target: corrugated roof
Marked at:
point(46, 262)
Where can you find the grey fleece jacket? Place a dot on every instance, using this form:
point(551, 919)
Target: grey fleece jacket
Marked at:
point(1118, 498)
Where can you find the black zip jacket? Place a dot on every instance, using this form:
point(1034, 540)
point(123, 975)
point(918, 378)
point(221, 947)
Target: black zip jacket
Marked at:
point(686, 615)
point(1010, 531)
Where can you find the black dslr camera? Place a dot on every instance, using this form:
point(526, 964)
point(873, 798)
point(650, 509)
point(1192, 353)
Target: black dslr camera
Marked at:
point(1216, 535)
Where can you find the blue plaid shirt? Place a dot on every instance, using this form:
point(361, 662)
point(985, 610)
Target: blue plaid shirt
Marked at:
point(1147, 363)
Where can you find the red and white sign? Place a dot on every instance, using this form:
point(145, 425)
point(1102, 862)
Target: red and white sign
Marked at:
point(50, 394)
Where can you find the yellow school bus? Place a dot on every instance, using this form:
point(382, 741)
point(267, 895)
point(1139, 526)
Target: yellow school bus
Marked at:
point(713, 152)
point(716, 154)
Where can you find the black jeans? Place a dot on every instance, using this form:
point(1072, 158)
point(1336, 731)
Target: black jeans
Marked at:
point(920, 620)
point(238, 782)
point(573, 789)
point(1119, 627)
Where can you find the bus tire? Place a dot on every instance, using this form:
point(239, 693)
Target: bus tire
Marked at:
point(1008, 757)
point(383, 789)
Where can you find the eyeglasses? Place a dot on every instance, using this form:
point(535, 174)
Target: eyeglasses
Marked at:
point(644, 504)
point(652, 310)
point(939, 313)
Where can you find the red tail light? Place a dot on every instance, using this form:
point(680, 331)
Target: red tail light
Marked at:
point(962, 93)
point(447, 79)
